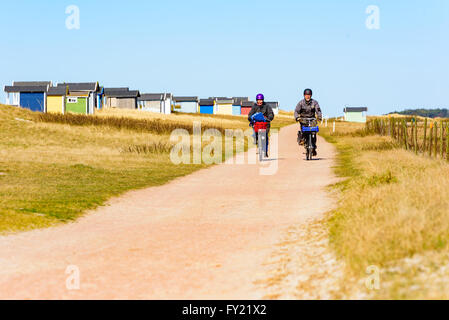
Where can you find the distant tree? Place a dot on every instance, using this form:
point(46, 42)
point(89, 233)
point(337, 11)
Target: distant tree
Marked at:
point(429, 113)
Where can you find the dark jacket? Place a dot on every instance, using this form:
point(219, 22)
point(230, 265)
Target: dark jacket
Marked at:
point(306, 109)
point(265, 109)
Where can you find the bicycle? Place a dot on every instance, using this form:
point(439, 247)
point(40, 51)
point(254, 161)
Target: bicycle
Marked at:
point(260, 126)
point(260, 135)
point(309, 130)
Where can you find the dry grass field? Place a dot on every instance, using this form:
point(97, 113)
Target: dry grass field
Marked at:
point(393, 214)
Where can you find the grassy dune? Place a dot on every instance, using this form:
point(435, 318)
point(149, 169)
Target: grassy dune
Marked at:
point(53, 169)
point(393, 214)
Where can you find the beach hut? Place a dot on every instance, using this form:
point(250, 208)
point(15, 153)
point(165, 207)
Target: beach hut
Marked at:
point(185, 104)
point(77, 104)
point(207, 106)
point(82, 97)
point(237, 105)
point(246, 107)
point(56, 99)
point(100, 98)
point(121, 98)
point(108, 93)
point(31, 95)
point(155, 102)
point(223, 106)
point(356, 114)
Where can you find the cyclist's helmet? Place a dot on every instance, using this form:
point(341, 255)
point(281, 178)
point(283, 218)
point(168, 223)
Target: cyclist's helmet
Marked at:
point(308, 92)
point(260, 97)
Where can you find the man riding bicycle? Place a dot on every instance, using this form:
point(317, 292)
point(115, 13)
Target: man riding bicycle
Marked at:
point(261, 107)
point(308, 108)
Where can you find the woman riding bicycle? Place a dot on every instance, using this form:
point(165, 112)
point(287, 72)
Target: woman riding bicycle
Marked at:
point(261, 107)
point(308, 108)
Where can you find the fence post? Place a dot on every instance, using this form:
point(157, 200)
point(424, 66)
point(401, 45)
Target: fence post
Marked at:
point(396, 125)
point(405, 134)
point(416, 136)
point(425, 136)
point(394, 128)
point(447, 141)
point(441, 140)
point(389, 127)
point(436, 139)
point(430, 139)
point(395, 133)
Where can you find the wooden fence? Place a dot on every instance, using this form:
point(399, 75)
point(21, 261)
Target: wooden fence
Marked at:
point(424, 136)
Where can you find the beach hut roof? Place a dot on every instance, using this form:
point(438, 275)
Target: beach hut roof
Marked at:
point(355, 109)
point(219, 98)
point(151, 97)
point(57, 91)
point(82, 86)
point(106, 90)
point(154, 96)
point(206, 102)
point(247, 103)
point(239, 100)
point(31, 83)
point(121, 93)
point(29, 89)
point(185, 99)
point(224, 100)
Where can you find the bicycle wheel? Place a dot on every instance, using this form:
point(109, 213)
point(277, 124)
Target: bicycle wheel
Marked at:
point(262, 144)
point(310, 148)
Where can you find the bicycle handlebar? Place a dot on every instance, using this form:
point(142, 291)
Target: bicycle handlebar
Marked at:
point(267, 121)
point(306, 119)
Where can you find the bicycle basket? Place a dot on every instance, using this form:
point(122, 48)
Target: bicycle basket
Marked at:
point(310, 129)
point(260, 126)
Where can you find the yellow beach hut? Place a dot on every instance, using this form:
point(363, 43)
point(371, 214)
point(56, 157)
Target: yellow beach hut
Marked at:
point(224, 106)
point(56, 99)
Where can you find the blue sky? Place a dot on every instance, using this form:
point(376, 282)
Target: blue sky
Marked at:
point(238, 48)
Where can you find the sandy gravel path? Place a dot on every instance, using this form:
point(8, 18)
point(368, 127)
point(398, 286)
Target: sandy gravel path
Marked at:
point(204, 236)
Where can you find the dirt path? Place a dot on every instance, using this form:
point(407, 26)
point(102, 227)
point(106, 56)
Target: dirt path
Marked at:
point(205, 236)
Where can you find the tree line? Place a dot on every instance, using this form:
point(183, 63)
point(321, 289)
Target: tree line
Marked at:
point(427, 113)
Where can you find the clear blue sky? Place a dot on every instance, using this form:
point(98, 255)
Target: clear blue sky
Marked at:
point(238, 48)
